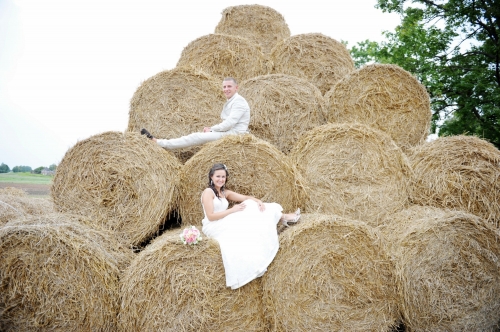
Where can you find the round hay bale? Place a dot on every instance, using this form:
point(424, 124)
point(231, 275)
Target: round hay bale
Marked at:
point(261, 25)
point(458, 172)
point(447, 269)
point(20, 205)
point(340, 280)
point(123, 182)
point(321, 60)
point(175, 103)
point(175, 287)
point(57, 274)
point(283, 108)
point(255, 168)
point(385, 97)
point(353, 171)
point(224, 56)
point(12, 191)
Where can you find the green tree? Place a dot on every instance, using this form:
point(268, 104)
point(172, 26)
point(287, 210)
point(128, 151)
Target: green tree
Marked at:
point(453, 47)
point(38, 170)
point(18, 169)
point(53, 167)
point(4, 168)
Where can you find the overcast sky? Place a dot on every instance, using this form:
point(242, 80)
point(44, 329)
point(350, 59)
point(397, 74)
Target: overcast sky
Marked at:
point(68, 68)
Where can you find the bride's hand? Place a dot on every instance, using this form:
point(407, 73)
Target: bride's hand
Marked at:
point(239, 207)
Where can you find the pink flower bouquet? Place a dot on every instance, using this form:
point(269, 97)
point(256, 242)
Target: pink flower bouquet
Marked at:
point(190, 235)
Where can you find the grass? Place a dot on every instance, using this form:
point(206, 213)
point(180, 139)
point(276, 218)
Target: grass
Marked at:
point(26, 178)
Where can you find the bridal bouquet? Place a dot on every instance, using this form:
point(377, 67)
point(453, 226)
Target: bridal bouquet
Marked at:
point(190, 235)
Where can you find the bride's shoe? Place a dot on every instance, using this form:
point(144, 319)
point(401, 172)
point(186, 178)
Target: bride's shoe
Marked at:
point(294, 220)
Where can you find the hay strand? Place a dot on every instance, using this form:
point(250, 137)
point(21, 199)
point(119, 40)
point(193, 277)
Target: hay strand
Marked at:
point(175, 287)
point(352, 170)
point(123, 182)
point(261, 25)
point(224, 56)
point(330, 274)
point(58, 274)
point(385, 97)
point(283, 108)
point(447, 268)
point(321, 60)
point(458, 172)
point(175, 103)
point(255, 167)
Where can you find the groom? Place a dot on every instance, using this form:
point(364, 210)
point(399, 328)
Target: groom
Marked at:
point(235, 120)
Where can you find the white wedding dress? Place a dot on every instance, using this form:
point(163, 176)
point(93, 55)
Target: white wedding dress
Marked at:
point(248, 239)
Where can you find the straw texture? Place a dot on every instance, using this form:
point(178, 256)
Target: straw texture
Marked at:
point(330, 274)
point(459, 172)
point(13, 191)
point(123, 182)
point(321, 60)
point(283, 108)
point(175, 103)
point(352, 170)
point(385, 97)
point(58, 274)
point(224, 56)
point(15, 203)
point(255, 167)
point(175, 287)
point(261, 25)
point(447, 268)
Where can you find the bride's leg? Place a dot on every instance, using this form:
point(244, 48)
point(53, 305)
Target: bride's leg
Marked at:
point(290, 217)
point(287, 216)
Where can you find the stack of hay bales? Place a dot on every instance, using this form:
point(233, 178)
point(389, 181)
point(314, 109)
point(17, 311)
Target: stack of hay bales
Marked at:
point(261, 25)
point(175, 287)
point(59, 274)
point(176, 102)
point(332, 271)
point(318, 58)
point(354, 171)
point(283, 108)
point(385, 97)
point(255, 168)
point(121, 181)
point(15, 203)
point(447, 269)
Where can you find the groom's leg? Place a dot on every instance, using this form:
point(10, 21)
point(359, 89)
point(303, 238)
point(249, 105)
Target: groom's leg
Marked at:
point(189, 140)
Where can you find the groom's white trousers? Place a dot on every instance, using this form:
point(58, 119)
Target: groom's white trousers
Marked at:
point(193, 139)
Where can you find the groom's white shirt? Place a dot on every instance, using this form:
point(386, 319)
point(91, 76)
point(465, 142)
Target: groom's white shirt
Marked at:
point(235, 115)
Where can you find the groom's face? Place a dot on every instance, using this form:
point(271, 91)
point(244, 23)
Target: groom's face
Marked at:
point(229, 88)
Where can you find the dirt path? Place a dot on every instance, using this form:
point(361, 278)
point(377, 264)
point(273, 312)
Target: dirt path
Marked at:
point(31, 189)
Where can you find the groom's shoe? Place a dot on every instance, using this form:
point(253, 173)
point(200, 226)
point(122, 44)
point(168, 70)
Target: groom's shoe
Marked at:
point(145, 132)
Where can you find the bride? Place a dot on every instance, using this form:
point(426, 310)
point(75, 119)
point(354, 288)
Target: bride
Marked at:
point(246, 233)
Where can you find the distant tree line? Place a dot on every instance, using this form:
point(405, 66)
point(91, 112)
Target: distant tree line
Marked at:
point(24, 169)
point(4, 168)
point(18, 169)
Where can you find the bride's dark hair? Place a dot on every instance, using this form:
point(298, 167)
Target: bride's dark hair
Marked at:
point(211, 185)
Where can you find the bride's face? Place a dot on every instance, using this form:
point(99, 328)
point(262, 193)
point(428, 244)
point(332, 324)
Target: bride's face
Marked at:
point(219, 178)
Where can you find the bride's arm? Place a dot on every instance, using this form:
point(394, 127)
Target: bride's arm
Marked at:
point(240, 198)
point(207, 199)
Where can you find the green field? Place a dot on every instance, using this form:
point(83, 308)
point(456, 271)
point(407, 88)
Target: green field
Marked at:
point(26, 178)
